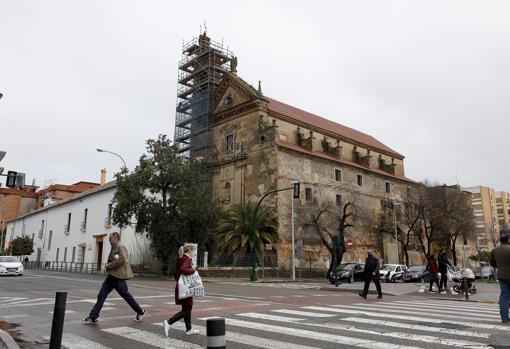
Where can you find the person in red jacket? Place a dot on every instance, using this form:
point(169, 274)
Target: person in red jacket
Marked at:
point(183, 266)
point(433, 269)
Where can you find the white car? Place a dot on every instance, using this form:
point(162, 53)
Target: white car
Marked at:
point(10, 266)
point(392, 272)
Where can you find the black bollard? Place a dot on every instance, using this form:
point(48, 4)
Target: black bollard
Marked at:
point(57, 326)
point(216, 333)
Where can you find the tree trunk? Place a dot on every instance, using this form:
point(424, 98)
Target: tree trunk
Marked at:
point(406, 254)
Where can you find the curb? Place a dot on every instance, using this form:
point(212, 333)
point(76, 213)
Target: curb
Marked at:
point(8, 341)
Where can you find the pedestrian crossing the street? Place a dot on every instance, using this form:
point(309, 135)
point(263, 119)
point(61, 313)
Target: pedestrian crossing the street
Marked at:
point(378, 325)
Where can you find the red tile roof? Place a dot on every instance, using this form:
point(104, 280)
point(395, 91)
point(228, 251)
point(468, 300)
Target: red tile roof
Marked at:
point(299, 149)
point(330, 126)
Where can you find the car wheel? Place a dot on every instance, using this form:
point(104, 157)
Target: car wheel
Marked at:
point(456, 288)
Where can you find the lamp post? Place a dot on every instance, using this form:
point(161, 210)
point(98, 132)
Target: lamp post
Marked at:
point(295, 195)
point(395, 204)
point(111, 152)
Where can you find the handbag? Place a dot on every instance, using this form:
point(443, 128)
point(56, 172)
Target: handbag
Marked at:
point(190, 286)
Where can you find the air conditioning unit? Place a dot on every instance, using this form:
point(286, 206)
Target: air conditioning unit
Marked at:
point(83, 226)
point(41, 232)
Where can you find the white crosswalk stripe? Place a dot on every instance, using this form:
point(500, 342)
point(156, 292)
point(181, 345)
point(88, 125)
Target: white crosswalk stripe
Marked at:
point(381, 325)
point(76, 342)
point(253, 341)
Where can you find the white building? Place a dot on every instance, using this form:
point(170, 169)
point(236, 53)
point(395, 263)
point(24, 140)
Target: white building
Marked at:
point(76, 230)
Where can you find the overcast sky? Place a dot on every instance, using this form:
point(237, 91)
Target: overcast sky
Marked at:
point(431, 79)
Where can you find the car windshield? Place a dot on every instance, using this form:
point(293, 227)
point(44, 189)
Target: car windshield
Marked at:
point(347, 267)
point(388, 267)
point(8, 259)
point(417, 268)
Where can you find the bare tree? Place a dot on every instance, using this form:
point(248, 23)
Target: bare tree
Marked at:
point(332, 224)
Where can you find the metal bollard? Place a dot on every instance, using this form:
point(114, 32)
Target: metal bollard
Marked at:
point(216, 333)
point(57, 327)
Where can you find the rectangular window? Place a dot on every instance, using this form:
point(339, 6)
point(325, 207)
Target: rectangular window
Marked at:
point(360, 180)
point(85, 214)
point(339, 200)
point(74, 254)
point(68, 225)
point(229, 150)
point(388, 187)
point(56, 256)
point(308, 194)
point(338, 175)
point(65, 254)
point(110, 209)
point(49, 239)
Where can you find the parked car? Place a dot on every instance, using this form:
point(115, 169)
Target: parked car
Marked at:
point(10, 266)
point(485, 272)
point(416, 274)
point(392, 272)
point(349, 272)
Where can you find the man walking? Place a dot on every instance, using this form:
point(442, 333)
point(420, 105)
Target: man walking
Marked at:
point(433, 269)
point(500, 259)
point(119, 270)
point(443, 269)
point(371, 274)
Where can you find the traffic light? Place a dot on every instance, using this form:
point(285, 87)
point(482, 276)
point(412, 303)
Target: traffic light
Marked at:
point(2, 154)
point(295, 190)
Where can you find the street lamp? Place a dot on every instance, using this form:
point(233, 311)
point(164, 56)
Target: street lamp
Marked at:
point(111, 152)
point(395, 204)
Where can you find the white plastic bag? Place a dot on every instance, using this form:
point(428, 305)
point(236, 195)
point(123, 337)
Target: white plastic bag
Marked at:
point(190, 286)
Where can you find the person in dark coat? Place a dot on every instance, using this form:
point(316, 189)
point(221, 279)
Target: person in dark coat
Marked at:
point(184, 266)
point(443, 269)
point(500, 259)
point(433, 269)
point(371, 274)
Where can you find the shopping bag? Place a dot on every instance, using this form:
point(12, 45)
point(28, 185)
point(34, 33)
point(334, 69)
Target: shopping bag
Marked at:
point(190, 286)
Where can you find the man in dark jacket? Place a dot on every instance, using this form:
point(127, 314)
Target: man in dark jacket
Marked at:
point(443, 269)
point(500, 259)
point(371, 274)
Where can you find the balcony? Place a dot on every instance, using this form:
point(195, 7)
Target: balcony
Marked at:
point(108, 222)
point(66, 229)
point(83, 226)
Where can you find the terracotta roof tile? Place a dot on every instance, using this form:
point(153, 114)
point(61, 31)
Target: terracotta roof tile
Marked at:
point(328, 125)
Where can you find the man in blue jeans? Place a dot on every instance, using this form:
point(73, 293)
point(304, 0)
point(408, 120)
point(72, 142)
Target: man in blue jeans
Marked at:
point(119, 270)
point(500, 259)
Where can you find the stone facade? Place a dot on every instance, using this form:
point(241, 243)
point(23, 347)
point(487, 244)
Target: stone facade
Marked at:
point(261, 144)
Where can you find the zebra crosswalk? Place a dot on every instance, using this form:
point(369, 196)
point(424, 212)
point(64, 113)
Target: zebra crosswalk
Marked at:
point(382, 325)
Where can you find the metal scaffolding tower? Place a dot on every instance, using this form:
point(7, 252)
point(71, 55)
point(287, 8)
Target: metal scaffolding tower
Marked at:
point(204, 63)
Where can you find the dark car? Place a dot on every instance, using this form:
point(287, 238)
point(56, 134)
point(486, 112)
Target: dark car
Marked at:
point(415, 274)
point(349, 272)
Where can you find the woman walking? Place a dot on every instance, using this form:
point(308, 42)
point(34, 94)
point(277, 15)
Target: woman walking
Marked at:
point(433, 269)
point(183, 266)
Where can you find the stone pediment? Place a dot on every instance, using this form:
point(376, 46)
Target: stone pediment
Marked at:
point(232, 92)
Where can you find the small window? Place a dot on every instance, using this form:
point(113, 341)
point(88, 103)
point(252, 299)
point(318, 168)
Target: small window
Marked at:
point(85, 214)
point(360, 180)
point(56, 256)
point(68, 226)
point(229, 150)
point(308, 194)
point(338, 175)
point(49, 239)
point(65, 254)
point(110, 209)
point(74, 254)
point(339, 200)
point(388, 187)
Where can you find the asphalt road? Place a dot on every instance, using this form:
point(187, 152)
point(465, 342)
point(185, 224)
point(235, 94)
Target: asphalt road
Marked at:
point(261, 315)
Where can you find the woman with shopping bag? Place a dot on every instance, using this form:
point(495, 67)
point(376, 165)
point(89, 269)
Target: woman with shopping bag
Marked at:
point(183, 266)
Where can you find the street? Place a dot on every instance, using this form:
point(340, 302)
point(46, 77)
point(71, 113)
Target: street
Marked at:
point(263, 315)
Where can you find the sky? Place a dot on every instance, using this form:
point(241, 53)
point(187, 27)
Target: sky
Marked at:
point(430, 79)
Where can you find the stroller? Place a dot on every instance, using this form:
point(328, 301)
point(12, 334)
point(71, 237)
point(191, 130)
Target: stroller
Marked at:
point(465, 281)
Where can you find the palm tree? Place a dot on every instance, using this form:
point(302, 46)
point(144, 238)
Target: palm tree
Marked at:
point(244, 226)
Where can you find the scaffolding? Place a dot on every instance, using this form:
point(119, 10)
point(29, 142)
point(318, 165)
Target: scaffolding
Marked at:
point(204, 64)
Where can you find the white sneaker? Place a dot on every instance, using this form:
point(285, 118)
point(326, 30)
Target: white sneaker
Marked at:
point(166, 326)
point(192, 332)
